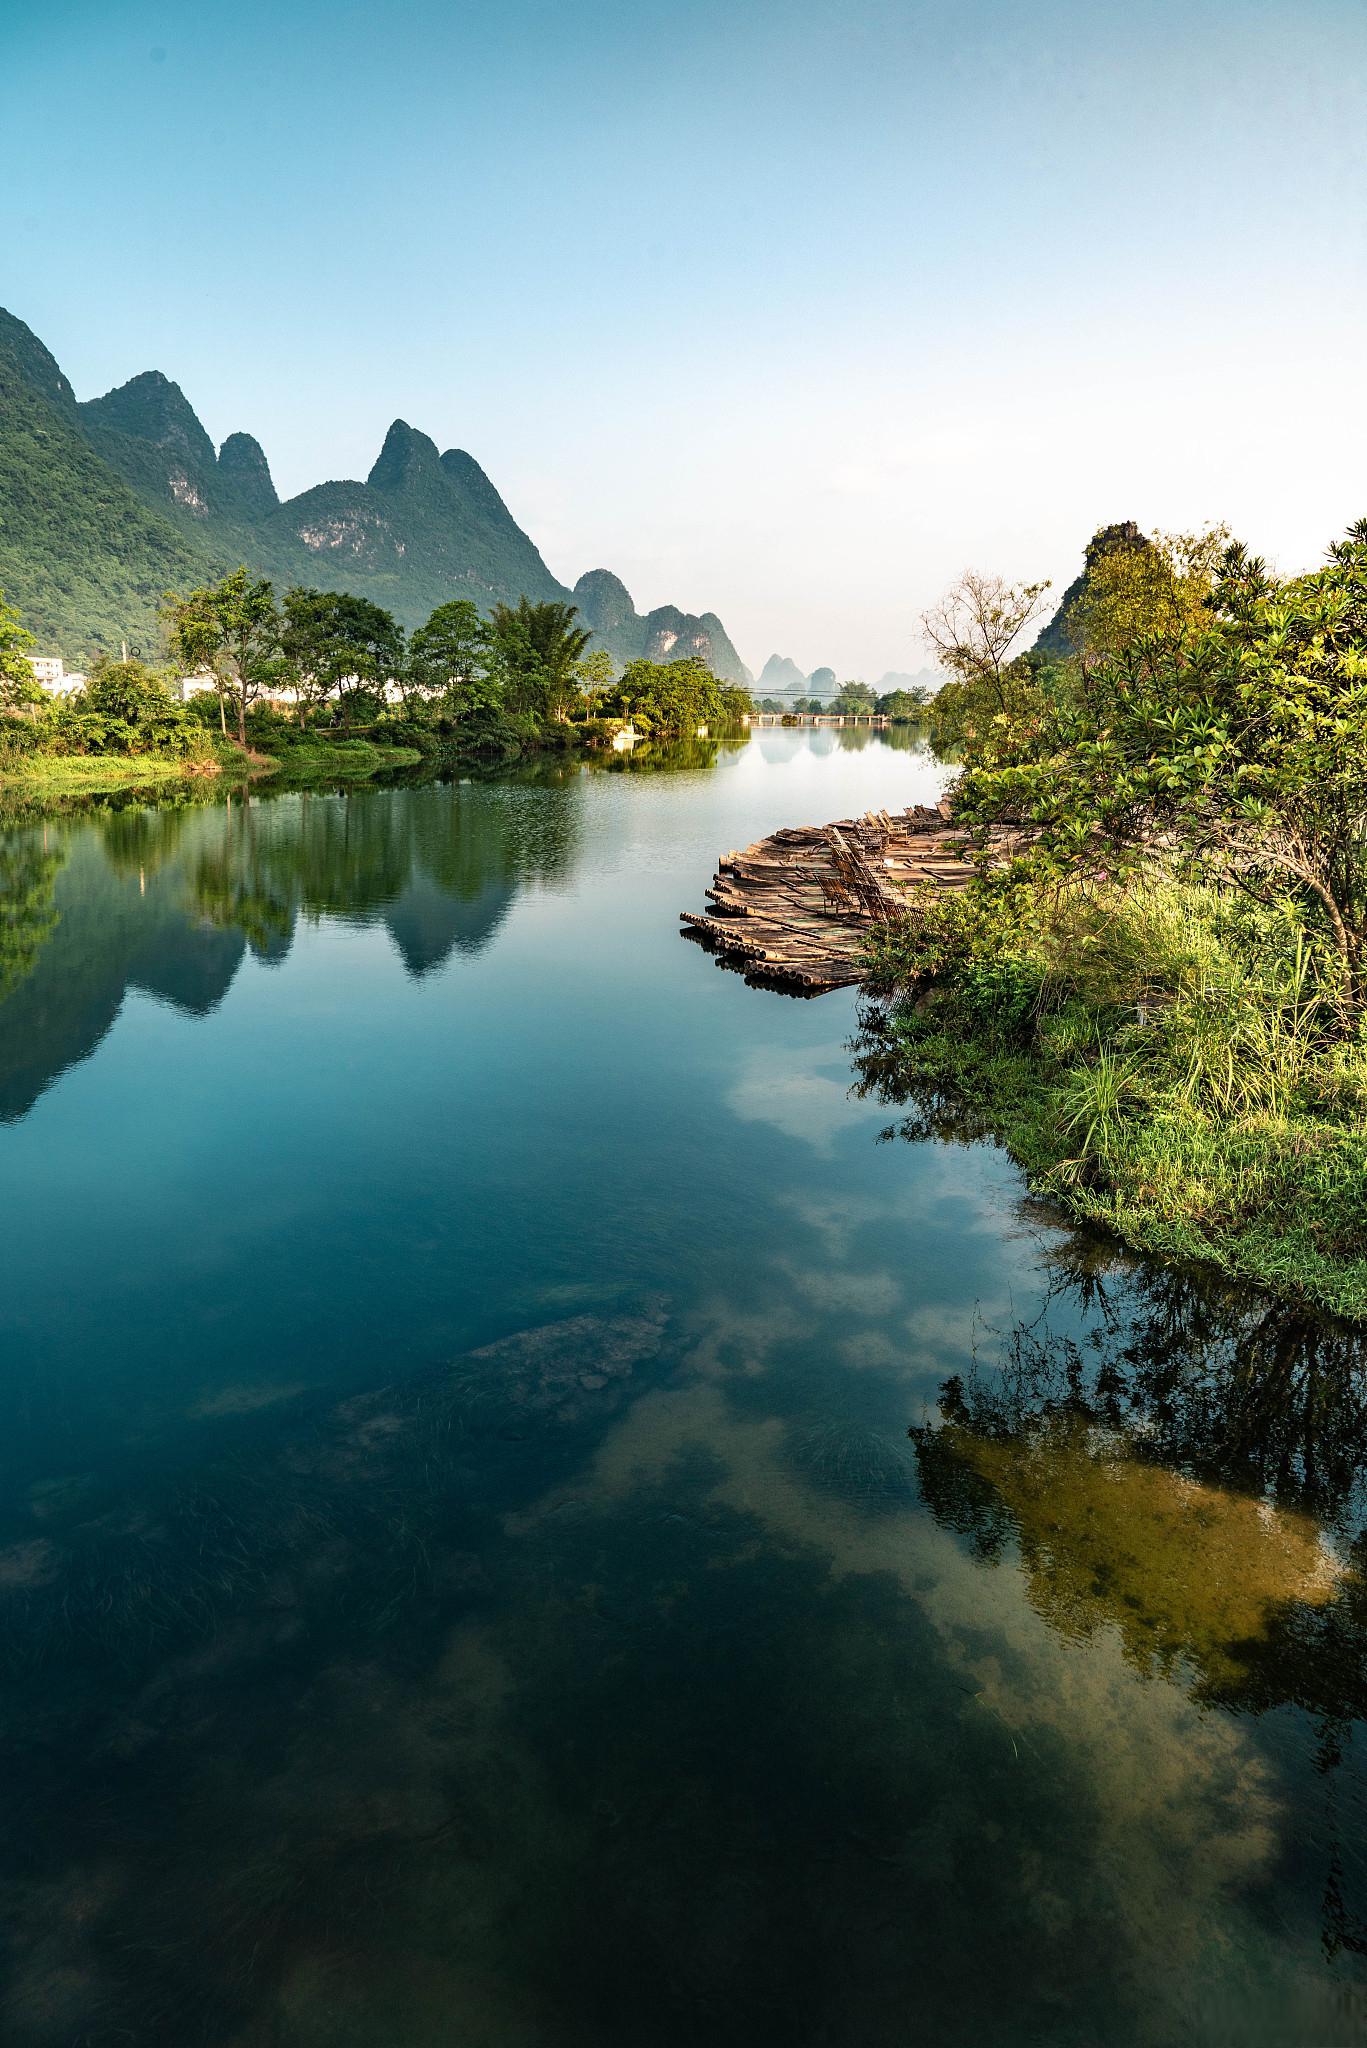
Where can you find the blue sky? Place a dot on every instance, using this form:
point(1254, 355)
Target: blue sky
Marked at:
point(790, 311)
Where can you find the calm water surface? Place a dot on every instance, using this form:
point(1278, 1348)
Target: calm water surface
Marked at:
point(525, 1523)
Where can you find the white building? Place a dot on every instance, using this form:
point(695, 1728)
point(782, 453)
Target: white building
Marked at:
point(50, 671)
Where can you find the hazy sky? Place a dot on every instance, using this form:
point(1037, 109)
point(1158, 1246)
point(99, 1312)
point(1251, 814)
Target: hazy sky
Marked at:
point(791, 309)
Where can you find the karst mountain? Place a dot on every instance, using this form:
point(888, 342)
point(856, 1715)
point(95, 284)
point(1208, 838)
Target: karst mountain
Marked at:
point(108, 503)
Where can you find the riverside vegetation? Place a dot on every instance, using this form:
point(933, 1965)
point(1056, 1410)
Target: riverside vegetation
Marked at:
point(1158, 1002)
point(324, 682)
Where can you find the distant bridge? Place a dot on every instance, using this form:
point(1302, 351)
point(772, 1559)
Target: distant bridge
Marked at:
point(868, 718)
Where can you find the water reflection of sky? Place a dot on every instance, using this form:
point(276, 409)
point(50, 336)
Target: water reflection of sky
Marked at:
point(523, 1523)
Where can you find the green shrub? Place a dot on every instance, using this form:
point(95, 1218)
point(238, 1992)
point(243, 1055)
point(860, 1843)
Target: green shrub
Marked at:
point(126, 708)
point(1174, 1061)
point(21, 738)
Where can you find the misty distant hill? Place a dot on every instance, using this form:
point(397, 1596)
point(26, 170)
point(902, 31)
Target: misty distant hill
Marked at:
point(780, 676)
point(666, 634)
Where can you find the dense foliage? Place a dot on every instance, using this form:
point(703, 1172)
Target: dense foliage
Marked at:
point(1216, 720)
point(675, 697)
point(1155, 990)
point(17, 684)
point(125, 709)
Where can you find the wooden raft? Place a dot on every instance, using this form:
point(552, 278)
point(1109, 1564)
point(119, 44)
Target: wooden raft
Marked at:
point(793, 911)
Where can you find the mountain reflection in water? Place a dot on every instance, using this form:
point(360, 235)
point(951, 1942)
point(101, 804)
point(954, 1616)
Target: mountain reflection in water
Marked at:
point(169, 901)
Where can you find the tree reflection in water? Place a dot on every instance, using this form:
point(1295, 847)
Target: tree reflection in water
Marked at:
point(29, 864)
point(1189, 1475)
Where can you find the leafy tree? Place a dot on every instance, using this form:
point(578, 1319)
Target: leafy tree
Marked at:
point(855, 696)
point(677, 696)
point(18, 685)
point(595, 673)
point(904, 703)
point(1056, 638)
point(771, 704)
point(1158, 588)
point(973, 630)
point(977, 623)
point(230, 629)
point(535, 650)
point(334, 643)
point(447, 660)
point(1232, 740)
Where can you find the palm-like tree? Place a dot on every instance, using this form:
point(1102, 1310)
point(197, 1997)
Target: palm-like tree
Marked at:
point(536, 648)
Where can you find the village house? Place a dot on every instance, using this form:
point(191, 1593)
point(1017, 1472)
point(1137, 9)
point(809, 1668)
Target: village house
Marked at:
point(50, 671)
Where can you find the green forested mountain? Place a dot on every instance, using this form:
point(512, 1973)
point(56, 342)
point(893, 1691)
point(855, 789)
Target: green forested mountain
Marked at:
point(81, 554)
point(105, 505)
point(666, 634)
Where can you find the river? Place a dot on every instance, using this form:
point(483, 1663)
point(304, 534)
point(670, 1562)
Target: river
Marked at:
point(536, 1513)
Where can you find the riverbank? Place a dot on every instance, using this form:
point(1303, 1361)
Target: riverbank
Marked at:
point(38, 776)
point(62, 775)
point(317, 755)
point(1168, 1063)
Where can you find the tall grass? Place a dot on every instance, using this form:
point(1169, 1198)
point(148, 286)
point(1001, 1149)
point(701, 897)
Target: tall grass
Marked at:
point(1172, 1060)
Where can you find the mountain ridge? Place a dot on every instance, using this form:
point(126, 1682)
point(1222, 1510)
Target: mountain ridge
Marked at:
point(108, 502)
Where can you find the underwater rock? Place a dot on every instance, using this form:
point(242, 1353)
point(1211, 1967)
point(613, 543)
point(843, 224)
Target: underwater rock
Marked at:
point(557, 1372)
point(364, 1499)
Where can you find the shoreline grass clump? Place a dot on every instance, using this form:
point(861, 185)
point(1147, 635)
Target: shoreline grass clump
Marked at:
point(1170, 1060)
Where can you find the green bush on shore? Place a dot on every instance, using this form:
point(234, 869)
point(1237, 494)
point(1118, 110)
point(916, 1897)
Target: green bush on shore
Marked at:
point(1169, 1059)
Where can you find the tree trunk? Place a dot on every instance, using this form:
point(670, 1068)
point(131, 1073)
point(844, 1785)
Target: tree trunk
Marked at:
point(1343, 940)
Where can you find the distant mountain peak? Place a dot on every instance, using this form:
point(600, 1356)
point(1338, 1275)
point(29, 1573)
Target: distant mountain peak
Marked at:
point(406, 458)
point(150, 433)
point(604, 601)
point(666, 634)
point(151, 408)
point(245, 477)
point(34, 363)
point(781, 673)
point(466, 477)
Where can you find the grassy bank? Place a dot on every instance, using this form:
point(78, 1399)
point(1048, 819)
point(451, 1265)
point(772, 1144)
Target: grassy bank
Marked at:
point(1170, 1062)
point(59, 775)
point(36, 776)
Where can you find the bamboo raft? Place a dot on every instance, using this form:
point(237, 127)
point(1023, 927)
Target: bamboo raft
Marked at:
point(793, 911)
